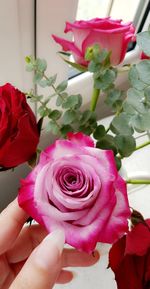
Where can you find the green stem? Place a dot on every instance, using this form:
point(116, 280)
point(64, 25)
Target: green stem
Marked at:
point(142, 145)
point(94, 98)
point(54, 88)
point(138, 182)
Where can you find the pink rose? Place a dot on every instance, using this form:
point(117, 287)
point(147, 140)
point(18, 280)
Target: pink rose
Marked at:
point(110, 34)
point(76, 187)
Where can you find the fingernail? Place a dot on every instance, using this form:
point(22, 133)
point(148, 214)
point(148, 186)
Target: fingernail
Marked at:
point(49, 251)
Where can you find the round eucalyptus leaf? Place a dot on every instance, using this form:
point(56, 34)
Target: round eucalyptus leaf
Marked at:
point(99, 132)
point(135, 80)
point(69, 116)
point(136, 99)
point(141, 122)
point(120, 125)
point(143, 69)
point(143, 40)
point(107, 143)
point(126, 144)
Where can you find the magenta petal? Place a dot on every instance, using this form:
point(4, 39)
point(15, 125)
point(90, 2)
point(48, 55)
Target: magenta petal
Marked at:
point(80, 139)
point(67, 45)
point(76, 187)
point(27, 202)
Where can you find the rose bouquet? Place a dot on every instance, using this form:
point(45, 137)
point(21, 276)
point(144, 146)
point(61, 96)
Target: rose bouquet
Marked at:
point(75, 184)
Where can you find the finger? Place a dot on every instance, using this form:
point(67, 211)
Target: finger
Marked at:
point(64, 277)
point(43, 266)
point(29, 238)
point(11, 221)
point(74, 258)
point(4, 270)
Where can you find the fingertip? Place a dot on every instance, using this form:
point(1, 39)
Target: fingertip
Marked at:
point(65, 276)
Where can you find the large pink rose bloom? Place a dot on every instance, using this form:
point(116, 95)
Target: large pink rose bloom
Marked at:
point(76, 188)
point(110, 34)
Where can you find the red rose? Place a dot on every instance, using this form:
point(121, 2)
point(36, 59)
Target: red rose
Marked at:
point(129, 258)
point(18, 129)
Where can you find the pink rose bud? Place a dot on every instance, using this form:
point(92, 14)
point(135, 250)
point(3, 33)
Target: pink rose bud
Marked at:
point(112, 35)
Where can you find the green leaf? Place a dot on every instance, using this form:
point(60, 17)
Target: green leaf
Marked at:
point(113, 96)
point(107, 143)
point(103, 56)
point(93, 66)
point(99, 132)
point(128, 108)
point(126, 144)
point(136, 98)
point(73, 101)
point(41, 64)
point(65, 129)
point(29, 67)
point(43, 83)
point(59, 101)
point(52, 126)
point(76, 65)
point(62, 86)
point(86, 129)
point(120, 125)
point(143, 40)
point(143, 69)
point(147, 95)
point(69, 116)
point(134, 78)
point(55, 114)
point(37, 77)
point(141, 122)
point(118, 163)
point(85, 117)
point(43, 111)
point(51, 80)
point(104, 81)
point(68, 54)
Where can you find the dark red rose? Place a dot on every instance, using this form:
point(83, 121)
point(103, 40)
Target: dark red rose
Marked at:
point(18, 129)
point(129, 258)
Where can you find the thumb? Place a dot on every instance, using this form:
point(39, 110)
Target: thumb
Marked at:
point(43, 266)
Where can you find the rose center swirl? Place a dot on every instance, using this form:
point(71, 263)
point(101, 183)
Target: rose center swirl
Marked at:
point(71, 180)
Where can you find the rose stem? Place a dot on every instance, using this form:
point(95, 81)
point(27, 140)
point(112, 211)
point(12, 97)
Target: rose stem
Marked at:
point(138, 182)
point(94, 99)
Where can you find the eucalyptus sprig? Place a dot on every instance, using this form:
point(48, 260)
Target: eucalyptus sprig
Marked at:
point(68, 115)
point(131, 108)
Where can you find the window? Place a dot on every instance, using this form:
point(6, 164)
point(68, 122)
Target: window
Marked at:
point(17, 40)
point(117, 9)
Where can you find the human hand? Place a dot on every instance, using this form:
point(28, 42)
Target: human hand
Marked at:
point(28, 259)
